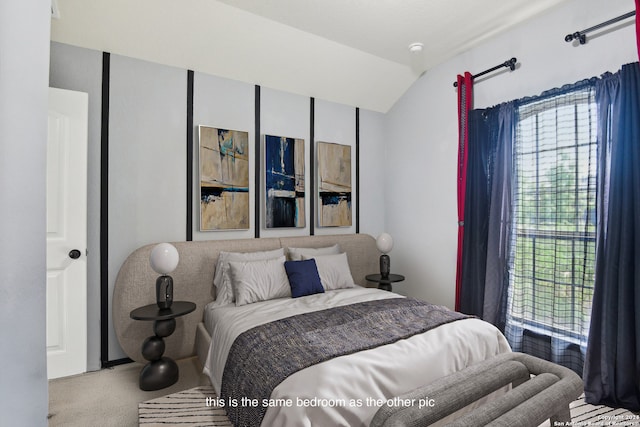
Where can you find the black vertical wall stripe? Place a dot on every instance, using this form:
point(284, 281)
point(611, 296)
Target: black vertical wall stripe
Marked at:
point(189, 231)
point(257, 220)
point(312, 167)
point(104, 211)
point(104, 217)
point(357, 170)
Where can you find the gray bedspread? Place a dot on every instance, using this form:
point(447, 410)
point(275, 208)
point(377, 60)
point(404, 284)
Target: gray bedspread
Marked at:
point(262, 357)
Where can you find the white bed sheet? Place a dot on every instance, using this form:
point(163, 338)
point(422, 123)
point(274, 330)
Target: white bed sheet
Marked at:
point(366, 377)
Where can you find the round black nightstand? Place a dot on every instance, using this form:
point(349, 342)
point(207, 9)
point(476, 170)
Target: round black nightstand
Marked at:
point(384, 284)
point(160, 372)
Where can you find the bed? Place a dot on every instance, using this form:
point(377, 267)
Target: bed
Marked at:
point(346, 388)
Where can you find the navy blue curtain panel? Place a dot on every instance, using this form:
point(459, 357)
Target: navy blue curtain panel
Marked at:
point(487, 214)
point(612, 366)
point(499, 241)
point(483, 128)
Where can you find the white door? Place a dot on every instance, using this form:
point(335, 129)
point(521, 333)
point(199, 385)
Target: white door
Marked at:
point(67, 233)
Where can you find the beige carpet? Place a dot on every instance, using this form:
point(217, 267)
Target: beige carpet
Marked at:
point(110, 397)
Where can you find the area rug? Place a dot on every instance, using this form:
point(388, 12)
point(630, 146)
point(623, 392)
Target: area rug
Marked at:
point(186, 408)
point(191, 408)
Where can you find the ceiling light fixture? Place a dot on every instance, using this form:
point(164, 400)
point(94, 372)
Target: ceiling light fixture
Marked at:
point(415, 47)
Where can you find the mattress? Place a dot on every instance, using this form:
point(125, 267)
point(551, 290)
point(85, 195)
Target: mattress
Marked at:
point(348, 390)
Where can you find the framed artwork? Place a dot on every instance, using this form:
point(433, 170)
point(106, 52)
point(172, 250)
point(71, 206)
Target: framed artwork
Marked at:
point(284, 182)
point(224, 179)
point(334, 185)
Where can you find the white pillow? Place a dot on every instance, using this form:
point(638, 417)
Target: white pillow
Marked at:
point(222, 280)
point(261, 280)
point(334, 271)
point(297, 254)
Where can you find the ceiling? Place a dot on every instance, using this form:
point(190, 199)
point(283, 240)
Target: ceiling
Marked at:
point(353, 52)
point(385, 28)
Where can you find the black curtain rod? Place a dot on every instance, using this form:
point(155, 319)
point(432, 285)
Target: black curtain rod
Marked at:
point(509, 64)
point(581, 35)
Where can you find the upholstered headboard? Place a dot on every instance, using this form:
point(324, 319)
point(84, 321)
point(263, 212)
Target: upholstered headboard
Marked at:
point(193, 281)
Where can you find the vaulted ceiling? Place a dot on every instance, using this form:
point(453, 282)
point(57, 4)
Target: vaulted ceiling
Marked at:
point(349, 51)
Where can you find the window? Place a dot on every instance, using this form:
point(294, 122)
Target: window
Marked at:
point(552, 265)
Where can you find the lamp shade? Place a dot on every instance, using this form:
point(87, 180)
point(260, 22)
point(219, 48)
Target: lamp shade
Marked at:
point(384, 243)
point(164, 258)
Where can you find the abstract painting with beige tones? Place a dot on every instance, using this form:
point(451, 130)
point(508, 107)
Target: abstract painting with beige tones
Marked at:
point(334, 185)
point(224, 179)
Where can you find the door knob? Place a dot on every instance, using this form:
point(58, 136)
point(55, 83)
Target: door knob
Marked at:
point(74, 254)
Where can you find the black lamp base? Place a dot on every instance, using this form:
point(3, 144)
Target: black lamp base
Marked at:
point(164, 291)
point(385, 266)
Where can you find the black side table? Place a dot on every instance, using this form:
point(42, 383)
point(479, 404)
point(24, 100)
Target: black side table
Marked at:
point(160, 372)
point(384, 284)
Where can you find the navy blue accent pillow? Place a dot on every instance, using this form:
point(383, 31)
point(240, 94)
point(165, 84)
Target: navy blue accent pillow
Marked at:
point(303, 278)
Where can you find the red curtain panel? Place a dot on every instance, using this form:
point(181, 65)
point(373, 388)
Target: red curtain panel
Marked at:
point(465, 103)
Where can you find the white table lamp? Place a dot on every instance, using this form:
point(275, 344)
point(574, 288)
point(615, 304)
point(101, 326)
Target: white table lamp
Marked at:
point(164, 259)
point(384, 242)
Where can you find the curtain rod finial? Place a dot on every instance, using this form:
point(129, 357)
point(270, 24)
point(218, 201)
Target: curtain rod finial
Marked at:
point(582, 38)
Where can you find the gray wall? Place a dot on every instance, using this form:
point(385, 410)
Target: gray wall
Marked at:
point(147, 156)
point(24, 61)
point(374, 172)
point(147, 163)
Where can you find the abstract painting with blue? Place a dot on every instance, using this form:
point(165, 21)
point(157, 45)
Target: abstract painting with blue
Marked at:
point(224, 179)
point(334, 185)
point(284, 182)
